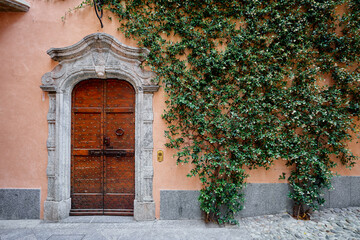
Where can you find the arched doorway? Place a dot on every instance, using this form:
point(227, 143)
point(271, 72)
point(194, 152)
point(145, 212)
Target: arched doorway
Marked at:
point(97, 56)
point(103, 148)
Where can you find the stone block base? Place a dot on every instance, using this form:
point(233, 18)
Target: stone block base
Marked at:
point(179, 204)
point(55, 211)
point(144, 211)
point(19, 204)
point(265, 199)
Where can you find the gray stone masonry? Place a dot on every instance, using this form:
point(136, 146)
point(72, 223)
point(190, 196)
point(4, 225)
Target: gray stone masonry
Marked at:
point(19, 203)
point(260, 199)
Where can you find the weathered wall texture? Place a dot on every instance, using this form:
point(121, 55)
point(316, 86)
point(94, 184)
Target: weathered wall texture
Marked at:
point(24, 40)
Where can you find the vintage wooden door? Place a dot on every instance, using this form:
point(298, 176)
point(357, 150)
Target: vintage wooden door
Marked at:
point(103, 140)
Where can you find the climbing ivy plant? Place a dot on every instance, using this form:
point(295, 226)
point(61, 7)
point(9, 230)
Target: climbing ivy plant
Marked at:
point(251, 82)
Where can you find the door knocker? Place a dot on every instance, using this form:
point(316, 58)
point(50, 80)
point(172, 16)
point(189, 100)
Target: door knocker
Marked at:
point(119, 132)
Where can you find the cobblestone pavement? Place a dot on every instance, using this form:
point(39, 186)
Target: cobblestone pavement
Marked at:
point(326, 224)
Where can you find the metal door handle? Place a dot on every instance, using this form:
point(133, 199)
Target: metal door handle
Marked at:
point(116, 153)
point(111, 152)
point(95, 152)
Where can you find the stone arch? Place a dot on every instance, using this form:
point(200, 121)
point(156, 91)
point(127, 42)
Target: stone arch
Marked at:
point(98, 55)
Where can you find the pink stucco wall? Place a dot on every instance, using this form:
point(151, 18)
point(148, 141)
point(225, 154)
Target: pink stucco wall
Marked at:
point(24, 40)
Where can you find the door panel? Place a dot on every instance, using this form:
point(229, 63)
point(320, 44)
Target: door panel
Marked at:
point(88, 94)
point(120, 127)
point(119, 94)
point(103, 140)
point(87, 130)
point(119, 192)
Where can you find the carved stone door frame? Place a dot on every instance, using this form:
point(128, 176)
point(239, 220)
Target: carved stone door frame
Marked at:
point(98, 55)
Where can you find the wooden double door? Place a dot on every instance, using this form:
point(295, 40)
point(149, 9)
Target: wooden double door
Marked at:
point(103, 145)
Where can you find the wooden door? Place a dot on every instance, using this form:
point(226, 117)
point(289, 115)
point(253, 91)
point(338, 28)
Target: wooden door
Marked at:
point(103, 142)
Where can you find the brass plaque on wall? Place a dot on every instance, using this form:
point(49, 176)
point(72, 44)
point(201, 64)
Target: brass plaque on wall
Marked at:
point(160, 156)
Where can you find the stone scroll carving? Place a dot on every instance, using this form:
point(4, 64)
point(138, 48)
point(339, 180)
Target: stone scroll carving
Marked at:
point(101, 56)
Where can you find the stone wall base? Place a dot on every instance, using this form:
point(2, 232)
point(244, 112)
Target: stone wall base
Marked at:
point(55, 211)
point(19, 204)
point(260, 199)
point(144, 211)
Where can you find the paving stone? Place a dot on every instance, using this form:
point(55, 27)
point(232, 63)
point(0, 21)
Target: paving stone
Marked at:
point(184, 224)
point(95, 236)
point(17, 234)
point(328, 224)
point(78, 219)
point(67, 237)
